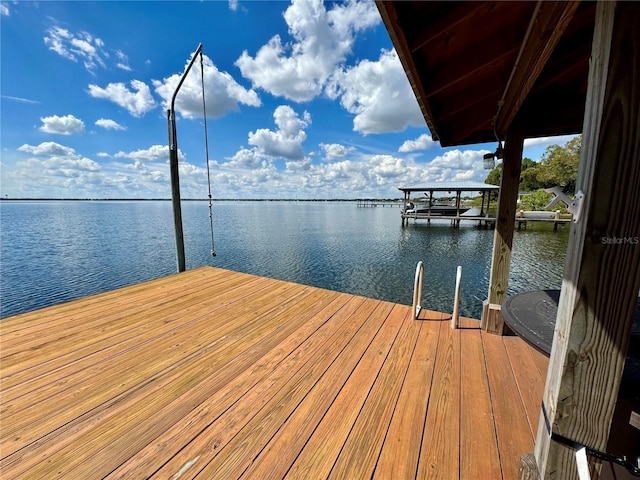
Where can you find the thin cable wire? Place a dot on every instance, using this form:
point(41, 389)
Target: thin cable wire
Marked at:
point(206, 143)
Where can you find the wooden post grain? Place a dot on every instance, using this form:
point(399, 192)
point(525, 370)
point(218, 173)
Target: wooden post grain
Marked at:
point(602, 273)
point(528, 468)
point(492, 320)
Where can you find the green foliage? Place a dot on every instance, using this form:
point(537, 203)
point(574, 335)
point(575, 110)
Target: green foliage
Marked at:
point(527, 164)
point(536, 200)
point(558, 166)
point(527, 168)
point(529, 180)
point(494, 175)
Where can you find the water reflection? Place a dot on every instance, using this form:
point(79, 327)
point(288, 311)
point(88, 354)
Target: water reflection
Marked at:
point(56, 251)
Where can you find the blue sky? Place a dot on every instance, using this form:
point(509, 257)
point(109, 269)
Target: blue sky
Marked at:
point(304, 100)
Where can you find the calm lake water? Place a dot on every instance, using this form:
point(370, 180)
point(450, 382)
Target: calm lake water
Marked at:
point(55, 251)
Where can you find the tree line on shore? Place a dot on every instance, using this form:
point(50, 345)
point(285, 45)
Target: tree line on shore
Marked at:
point(558, 166)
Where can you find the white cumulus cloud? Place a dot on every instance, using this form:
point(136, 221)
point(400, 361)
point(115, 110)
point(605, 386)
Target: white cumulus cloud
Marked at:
point(378, 94)
point(423, 142)
point(322, 39)
point(109, 124)
point(456, 165)
point(247, 158)
point(333, 151)
point(223, 93)
point(48, 149)
point(136, 101)
point(388, 167)
point(153, 153)
point(67, 125)
point(57, 171)
point(286, 141)
point(53, 170)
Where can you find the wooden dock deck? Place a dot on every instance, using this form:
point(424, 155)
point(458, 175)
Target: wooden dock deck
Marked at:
point(219, 375)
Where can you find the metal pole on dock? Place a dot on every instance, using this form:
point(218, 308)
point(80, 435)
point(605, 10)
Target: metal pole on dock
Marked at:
point(175, 178)
point(175, 192)
point(455, 316)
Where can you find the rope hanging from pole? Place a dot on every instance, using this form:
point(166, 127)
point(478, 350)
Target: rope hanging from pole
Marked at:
point(206, 143)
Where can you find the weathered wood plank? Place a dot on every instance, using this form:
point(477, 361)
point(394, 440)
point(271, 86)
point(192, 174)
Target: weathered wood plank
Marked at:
point(401, 449)
point(529, 379)
point(479, 456)
point(62, 312)
point(183, 381)
point(247, 430)
point(512, 429)
point(86, 388)
point(319, 454)
point(45, 352)
point(283, 448)
point(142, 325)
point(440, 452)
point(33, 337)
point(273, 368)
point(541, 361)
point(252, 378)
point(365, 440)
point(276, 458)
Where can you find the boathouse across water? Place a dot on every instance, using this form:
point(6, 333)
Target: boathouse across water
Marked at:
point(432, 210)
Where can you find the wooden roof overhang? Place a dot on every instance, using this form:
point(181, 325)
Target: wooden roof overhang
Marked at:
point(478, 68)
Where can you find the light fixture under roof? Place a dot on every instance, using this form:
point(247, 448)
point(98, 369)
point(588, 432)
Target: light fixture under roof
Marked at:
point(490, 158)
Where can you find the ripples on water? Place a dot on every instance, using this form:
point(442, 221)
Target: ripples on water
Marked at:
point(57, 251)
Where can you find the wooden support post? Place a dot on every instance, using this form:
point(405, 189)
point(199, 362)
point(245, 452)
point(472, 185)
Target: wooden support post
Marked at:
point(492, 320)
point(602, 277)
point(403, 206)
point(406, 199)
point(528, 468)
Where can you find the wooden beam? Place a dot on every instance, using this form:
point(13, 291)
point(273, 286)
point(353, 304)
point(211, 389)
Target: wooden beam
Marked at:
point(547, 25)
point(458, 13)
point(468, 66)
point(602, 273)
point(462, 127)
point(492, 320)
point(460, 102)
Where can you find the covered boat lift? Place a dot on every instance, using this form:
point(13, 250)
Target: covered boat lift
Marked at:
point(505, 71)
point(429, 188)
